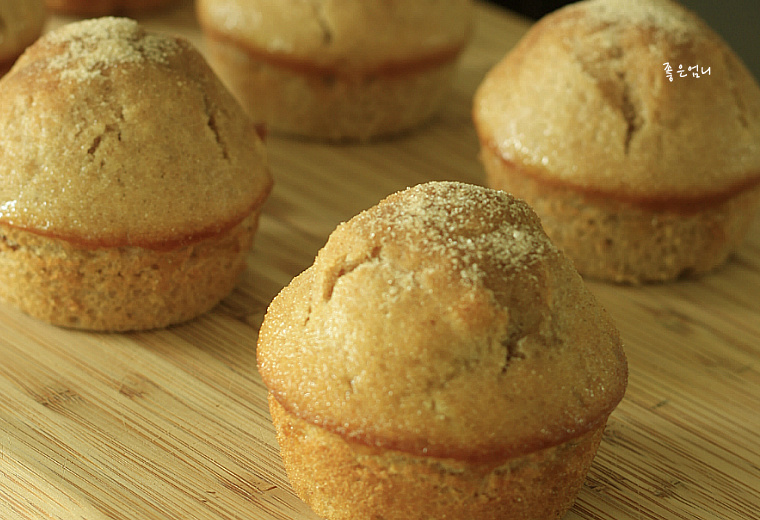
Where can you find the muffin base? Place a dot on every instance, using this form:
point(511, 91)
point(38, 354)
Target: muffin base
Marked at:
point(119, 288)
point(320, 105)
point(622, 242)
point(341, 480)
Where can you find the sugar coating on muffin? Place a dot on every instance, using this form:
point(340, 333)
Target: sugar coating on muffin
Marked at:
point(439, 329)
point(122, 148)
point(128, 139)
point(88, 50)
point(635, 176)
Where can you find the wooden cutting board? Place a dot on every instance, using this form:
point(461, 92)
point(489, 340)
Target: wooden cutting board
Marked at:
point(173, 424)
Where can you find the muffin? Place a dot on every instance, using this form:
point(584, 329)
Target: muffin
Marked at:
point(440, 359)
point(21, 23)
point(633, 130)
point(337, 70)
point(104, 7)
point(130, 180)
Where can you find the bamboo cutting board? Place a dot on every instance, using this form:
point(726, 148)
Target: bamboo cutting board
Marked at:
point(173, 424)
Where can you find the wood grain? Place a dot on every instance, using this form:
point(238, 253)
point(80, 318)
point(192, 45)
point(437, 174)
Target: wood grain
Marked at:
point(173, 424)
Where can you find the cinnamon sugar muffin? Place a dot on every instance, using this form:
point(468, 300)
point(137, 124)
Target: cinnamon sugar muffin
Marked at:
point(636, 176)
point(440, 359)
point(336, 69)
point(130, 180)
point(104, 7)
point(21, 23)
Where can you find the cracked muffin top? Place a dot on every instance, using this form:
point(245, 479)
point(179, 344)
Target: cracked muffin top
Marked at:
point(585, 100)
point(342, 34)
point(113, 136)
point(443, 322)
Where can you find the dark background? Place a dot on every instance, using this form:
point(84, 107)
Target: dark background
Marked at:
point(737, 21)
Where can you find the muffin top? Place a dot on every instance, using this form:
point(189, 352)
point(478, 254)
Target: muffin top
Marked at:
point(21, 22)
point(443, 322)
point(113, 136)
point(585, 100)
point(342, 34)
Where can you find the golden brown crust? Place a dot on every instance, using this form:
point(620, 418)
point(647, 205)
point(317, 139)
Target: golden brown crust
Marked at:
point(142, 145)
point(337, 70)
point(119, 288)
point(21, 23)
point(104, 7)
point(341, 480)
point(584, 99)
point(635, 177)
point(436, 323)
point(440, 359)
point(359, 36)
point(130, 180)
